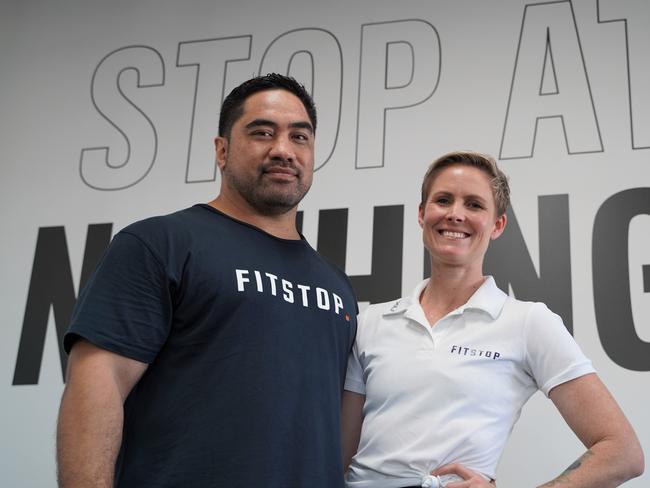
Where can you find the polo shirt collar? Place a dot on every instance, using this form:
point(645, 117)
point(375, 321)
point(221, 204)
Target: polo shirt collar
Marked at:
point(488, 298)
point(403, 304)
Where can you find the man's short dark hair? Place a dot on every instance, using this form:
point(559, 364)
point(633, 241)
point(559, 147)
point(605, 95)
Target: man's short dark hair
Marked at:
point(233, 105)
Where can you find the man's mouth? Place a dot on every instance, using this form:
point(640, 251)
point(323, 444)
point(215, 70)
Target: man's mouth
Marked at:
point(281, 171)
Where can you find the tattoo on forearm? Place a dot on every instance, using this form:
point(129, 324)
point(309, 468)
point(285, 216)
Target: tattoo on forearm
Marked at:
point(576, 464)
point(564, 477)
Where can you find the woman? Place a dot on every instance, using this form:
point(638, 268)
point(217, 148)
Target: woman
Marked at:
point(437, 379)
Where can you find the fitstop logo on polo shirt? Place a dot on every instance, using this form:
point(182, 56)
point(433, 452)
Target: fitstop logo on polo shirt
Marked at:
point(474, 352)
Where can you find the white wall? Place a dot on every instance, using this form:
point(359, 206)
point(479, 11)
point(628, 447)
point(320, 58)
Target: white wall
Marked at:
point(397, 84)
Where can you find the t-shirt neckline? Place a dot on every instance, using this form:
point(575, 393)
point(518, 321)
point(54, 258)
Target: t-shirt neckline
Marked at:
point(251, 226)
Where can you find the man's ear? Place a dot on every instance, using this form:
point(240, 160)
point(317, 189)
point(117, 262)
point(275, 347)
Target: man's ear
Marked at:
point(221, 151)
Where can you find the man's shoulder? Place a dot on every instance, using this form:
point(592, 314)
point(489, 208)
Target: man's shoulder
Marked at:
point(328, 263)
point(173, 224)
point(335, 270)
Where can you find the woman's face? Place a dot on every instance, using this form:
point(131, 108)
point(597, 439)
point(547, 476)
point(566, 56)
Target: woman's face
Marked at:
point(459, 218)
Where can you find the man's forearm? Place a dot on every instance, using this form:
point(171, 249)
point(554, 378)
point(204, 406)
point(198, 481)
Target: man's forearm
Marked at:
point(88, 436)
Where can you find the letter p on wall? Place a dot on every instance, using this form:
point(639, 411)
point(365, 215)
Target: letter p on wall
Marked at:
point(399, 68)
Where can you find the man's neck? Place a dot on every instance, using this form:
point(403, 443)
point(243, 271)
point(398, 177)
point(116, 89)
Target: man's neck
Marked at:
point(281, 225)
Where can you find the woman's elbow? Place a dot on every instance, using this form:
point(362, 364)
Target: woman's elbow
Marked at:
point(633, 462)
point(638, 464)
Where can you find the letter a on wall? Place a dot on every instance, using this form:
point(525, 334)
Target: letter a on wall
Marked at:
point(549, 81)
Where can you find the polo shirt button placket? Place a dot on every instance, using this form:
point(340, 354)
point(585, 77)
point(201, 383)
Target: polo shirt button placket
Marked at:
point(435, 332)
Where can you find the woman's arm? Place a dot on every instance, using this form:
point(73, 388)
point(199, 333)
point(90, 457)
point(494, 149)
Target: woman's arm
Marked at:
point(351, 420)
point(613, 454)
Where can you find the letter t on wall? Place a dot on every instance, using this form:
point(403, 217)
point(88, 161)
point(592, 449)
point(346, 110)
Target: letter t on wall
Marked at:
point(635, 16)
point(209, 58)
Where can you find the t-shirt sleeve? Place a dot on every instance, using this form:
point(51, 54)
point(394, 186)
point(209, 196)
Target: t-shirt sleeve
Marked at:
point(354, 376)
point(553, 355)
point(126, 305)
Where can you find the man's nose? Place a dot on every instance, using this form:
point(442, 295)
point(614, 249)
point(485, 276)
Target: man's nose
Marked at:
point(282, 149)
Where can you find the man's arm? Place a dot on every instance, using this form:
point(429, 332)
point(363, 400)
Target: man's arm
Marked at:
point(91, 416)
point(351, 420)
point(613, 454)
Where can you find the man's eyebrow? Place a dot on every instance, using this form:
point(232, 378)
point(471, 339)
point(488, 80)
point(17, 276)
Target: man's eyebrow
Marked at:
point(302, 125)
point(261, 122)
point(269, 123)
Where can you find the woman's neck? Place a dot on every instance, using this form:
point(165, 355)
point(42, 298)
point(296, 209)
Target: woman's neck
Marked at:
point(448, 289)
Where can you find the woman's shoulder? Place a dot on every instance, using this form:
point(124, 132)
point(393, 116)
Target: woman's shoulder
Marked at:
point(529, 308)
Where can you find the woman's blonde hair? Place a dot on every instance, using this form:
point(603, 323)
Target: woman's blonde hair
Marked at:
point(484, 162)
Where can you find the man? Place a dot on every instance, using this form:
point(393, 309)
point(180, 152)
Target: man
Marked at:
point(210, 347)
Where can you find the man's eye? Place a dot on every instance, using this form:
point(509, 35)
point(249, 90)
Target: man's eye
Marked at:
point(262, 133)
point(301, 137)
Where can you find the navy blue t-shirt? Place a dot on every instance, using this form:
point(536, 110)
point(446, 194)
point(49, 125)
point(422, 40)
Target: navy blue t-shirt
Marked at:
point(247, 338)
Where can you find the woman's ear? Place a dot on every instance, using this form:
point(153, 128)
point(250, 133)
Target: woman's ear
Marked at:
point(499, 226)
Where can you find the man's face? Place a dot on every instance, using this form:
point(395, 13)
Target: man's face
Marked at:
point(268, 159)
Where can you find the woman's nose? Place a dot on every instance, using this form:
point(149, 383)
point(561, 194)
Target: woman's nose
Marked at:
point(455, 213)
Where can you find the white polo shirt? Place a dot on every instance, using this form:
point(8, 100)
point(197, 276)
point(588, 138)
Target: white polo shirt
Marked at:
point(452, 392)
